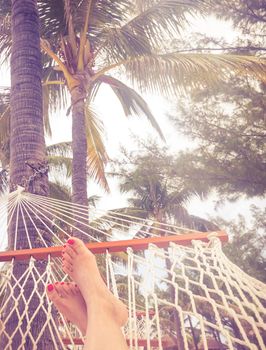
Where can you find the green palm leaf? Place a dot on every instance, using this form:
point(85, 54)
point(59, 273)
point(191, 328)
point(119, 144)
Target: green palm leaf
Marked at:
point(60, 191)
point(60, 164)
point(151, 26)
point(3, 180)
point(5, 32)
point(103, 13)
point(131, 101)
point(63, 149)
point(54, 92)
point(97, 155)
point(4, 114)
point(180, 72)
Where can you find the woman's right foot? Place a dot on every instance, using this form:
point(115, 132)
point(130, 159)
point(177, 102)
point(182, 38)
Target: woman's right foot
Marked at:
point(69, 302)
point(80, 264)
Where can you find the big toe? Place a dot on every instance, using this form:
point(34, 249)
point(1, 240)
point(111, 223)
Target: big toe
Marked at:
point(76, 245)
point(52, 293)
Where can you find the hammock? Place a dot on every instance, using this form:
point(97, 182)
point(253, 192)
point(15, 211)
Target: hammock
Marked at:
point(180, 289)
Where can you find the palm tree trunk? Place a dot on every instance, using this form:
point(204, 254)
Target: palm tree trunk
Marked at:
point(28, 168)
point(79, 148)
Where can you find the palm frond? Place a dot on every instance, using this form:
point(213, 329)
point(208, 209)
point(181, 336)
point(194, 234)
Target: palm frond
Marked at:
point(93, 200)
point(59, 164)
point(131, 101)
point(203, 225)
point(5, 126)
point(70, 26)
point(54, 89)
point(5, 30)
point(60, 191)
point(97, 155)
point(63, 149)
point(60, 158)
point(149, 29)
point(182, 196)
point(3, 180)
point(52, 18)
point(4, 114)
point(103, 13)
point(174, 73)
point(46, 105)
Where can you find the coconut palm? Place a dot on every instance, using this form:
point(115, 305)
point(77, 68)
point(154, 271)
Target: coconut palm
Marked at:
point(156, 191)
point(28, 164)
point(90, 41)
point(159, 197)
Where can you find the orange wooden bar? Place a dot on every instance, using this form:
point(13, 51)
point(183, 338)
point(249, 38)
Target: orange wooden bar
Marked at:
point(113, 246)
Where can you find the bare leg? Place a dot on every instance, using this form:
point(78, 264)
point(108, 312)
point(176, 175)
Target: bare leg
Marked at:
point(106, 313)
point(69, 302)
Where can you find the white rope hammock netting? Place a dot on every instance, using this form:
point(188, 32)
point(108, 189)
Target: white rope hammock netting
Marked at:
point(178, 297)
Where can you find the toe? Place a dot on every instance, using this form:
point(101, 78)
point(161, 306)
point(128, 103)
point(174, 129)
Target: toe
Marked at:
point(68, 250)
point(67, 257)
point(76, 245)
point(71, 288)
point(60, 288)
point(67, 288)
point(52, 293)
point(67, 267)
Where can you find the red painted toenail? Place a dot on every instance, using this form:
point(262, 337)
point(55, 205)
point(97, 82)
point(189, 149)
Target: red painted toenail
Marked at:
point(56, 282)
point(70, 241)
point(64, 245)
point(62, 283)
point(50, 287)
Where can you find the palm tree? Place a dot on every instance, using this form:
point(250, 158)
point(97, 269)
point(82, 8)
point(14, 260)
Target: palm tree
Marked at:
point(28, 165)
point(156, 191)
point(90, 41)
point(158, 194)
point(101, 37)
point(98, 38)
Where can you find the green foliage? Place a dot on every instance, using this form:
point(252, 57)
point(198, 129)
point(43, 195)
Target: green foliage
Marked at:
point(129, 37)
point(156, 188)
point(247, 243)
point(248, 16)
point(228, 126)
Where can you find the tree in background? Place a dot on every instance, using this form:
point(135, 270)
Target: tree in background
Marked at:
point(248, 17)
point(247, 243)
point(156, 191)
point(227, 122)
point(227, 126)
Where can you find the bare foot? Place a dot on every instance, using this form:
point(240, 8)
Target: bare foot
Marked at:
point(69, 302)
point(80, 264)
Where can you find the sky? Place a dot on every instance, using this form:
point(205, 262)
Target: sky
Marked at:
point(135, 127)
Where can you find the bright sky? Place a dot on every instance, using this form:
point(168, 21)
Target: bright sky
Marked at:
point(120, 131)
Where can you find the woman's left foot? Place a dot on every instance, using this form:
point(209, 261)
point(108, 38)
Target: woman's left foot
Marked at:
point(69, 302)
